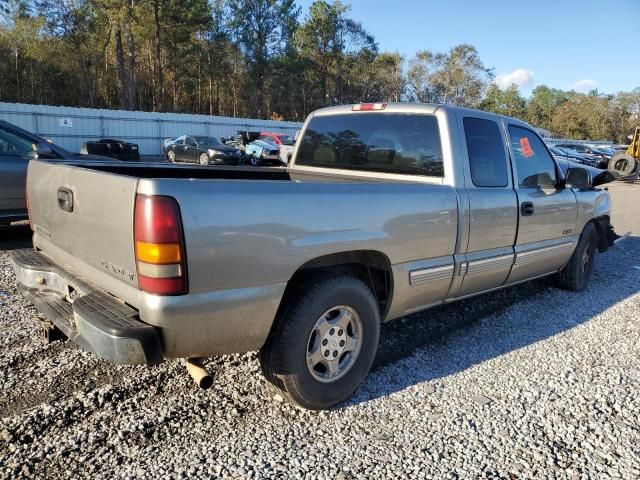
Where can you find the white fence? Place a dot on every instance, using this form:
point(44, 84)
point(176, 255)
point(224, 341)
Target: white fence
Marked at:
point(70, 127)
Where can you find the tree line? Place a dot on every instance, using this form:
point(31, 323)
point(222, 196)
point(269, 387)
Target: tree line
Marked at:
point(260, 59)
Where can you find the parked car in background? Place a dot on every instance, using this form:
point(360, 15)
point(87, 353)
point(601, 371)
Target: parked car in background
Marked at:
point(601, 157)
point(201, 149)
point(598, 175)
point(606, 149)
point(261, 152)
point(284, 141)
point(573, 156)
point(278, 138)
point(112, 148)
point(17, 148)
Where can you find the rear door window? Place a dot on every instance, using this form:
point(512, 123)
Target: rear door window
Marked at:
point(487, 159)
point(407, 144)
point(534, 164)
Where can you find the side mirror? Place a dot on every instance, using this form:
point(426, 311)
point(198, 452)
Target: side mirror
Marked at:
point(43, 150)
point(579, 178)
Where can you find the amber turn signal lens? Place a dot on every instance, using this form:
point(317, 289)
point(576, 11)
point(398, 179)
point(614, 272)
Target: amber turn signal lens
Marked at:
point(158, 253)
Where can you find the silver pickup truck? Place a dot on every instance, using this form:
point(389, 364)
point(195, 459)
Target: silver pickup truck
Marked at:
point(390, 209)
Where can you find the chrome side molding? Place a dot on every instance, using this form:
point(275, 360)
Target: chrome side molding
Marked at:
point(426, 275)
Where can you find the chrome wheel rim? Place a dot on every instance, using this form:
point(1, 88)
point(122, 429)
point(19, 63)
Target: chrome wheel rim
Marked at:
point(171, 155)
point(204, 159)
point(334, 344)
point(586, 256)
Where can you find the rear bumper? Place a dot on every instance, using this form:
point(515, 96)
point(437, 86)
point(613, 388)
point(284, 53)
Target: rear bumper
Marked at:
point(86, 315)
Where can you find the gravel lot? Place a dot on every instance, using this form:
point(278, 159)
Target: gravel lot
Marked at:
point(529, 382)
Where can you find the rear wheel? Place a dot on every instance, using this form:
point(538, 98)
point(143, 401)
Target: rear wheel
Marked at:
point(576, 274)
point(171, 155)
point(323, 342)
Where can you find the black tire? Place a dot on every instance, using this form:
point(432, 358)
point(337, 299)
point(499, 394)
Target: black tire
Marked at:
point(576, 274)
point(622, 163)
point(284, 356)
point(171, 156)
point(256, 161)
point(203, 159)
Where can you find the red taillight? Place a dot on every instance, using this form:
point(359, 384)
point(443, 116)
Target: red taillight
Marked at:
point(159, 244)
point(368, 107)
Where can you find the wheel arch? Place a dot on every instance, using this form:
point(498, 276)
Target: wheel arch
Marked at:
point(370, 266)
point(604, 230)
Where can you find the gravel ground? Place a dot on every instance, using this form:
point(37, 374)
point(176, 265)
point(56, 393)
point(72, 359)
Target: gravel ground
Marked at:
point(529, 382)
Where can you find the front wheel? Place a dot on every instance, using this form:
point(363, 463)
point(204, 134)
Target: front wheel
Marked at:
point(204, 159)
point(324, 341)
point(171, 156)
point(576, 274)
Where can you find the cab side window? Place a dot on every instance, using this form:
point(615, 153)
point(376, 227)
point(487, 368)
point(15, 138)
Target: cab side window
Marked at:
point(534, 164)
point(486, 153)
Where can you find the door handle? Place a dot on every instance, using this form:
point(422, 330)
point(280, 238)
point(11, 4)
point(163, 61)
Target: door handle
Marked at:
point(65, 200)
point(526, 208)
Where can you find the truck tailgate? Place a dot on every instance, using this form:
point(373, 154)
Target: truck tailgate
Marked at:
point(83, 221)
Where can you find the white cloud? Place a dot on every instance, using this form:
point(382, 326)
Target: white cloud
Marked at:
point(520, 77)
point(584, 86)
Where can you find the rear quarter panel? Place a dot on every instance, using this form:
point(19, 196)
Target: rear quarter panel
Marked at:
point(246, 239)
point(238, 234)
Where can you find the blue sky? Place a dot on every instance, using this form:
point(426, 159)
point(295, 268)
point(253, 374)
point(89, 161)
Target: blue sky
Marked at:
point(580, 44)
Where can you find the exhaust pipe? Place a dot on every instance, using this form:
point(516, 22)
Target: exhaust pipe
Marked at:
point(202, 378)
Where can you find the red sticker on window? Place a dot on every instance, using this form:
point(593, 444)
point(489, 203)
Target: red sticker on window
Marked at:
point(526, 147)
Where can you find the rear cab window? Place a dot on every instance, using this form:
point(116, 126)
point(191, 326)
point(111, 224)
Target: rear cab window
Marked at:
point(388, 143)
point(487, 159)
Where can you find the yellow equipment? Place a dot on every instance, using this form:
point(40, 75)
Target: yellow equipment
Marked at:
point(634, 148)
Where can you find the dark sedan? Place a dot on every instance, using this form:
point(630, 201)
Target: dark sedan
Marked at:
point(574, 156)
point(202, 150)
point(602, 158)
point(17, 147)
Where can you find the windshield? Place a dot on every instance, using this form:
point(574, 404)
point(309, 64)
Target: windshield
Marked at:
point(287, 140)
point(567, 151)
point(10, 143)
point(556, 151)
point(207, 141)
